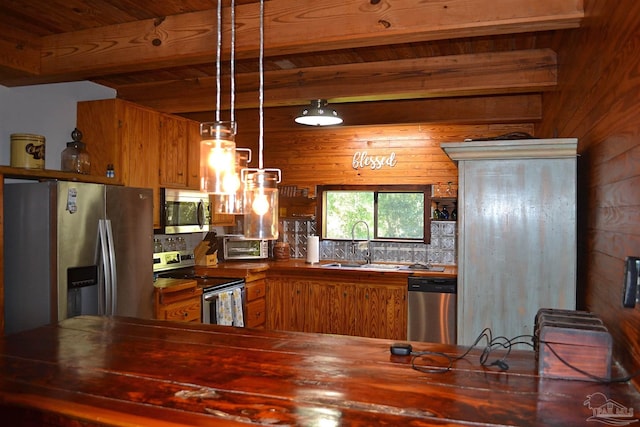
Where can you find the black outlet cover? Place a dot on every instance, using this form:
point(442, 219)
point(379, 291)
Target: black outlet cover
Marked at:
point(630, 292)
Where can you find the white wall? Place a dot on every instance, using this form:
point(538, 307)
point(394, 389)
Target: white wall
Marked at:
point(48, 110)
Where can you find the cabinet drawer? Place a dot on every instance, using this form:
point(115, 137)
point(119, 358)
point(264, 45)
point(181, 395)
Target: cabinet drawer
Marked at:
point(256, 289)
point(255, 314)
point(170, 296)
point(187, 311)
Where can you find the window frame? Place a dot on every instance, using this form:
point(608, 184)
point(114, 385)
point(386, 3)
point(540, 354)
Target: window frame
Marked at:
point(425, 189)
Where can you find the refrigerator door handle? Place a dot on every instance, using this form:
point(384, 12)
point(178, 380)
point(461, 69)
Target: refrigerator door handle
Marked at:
point(102, 257)
point(112, 268)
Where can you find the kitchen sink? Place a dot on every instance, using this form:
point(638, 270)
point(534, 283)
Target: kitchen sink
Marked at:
point(365, 266)
point(387, 267)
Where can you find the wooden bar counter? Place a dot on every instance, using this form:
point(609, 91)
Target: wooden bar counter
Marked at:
point(90, 371)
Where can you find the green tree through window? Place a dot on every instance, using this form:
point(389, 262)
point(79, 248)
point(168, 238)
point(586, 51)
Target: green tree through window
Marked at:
point(392, 212)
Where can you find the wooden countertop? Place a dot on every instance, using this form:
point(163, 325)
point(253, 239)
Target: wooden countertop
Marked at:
point(162, 283)
point(121, 371)
point(242, 268)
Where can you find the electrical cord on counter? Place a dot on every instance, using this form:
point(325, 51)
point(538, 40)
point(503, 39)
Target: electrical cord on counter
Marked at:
point(491, 344)
point(501, 363)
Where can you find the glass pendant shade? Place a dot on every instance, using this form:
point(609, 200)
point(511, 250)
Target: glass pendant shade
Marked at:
point(217, 157)
point(233, 202)
point(261, 204)
point(318, 114)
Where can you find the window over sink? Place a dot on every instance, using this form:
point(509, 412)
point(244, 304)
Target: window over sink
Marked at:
point(391, 212)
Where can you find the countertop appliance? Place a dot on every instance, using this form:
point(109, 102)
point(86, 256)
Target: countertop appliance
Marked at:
point(76, 248)
point(432, 309)
point(222, 297)
point(184, 211)
point(237, 247)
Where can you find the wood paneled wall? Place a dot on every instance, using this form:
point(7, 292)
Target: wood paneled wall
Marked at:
point(315, 156)
point(598, 102)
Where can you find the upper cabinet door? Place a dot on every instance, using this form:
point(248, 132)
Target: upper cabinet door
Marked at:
point(193, 134)
point(174, 148)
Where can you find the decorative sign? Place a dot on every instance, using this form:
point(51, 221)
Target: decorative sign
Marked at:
point(362, 160)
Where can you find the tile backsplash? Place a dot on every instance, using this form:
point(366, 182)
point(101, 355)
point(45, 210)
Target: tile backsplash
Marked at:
point(441, 250)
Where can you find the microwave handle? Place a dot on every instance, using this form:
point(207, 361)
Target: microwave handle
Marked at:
point(201, 216)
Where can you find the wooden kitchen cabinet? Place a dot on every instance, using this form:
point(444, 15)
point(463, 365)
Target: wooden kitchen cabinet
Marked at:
point(255, 304)
point(174, 151)
point(178, 300)
point(287, 301)
point(382, 311)
point(364, 307)
point(193, 137)
point(146, 148)
point(125, 136)
point(516, 233)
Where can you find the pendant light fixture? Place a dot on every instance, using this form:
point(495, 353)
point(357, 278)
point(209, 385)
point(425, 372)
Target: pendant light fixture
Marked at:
point(217, 144)
point(261, 185)
point(318, 114)
point(232, 202)
point(228, 193)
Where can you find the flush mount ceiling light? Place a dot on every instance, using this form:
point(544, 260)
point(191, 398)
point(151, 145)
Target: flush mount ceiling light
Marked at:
point(318, 114)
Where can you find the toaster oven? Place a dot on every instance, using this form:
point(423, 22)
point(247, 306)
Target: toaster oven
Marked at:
point(237, 247)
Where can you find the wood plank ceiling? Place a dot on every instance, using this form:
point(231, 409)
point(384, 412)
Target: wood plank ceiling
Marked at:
point(377, 61)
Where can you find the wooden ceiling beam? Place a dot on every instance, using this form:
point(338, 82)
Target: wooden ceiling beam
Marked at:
point(447, 76)
point(19, 54)
point(516, 109)
point(290, 28)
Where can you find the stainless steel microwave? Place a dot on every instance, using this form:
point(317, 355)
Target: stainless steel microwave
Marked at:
point(237, 247)
point(184, 211)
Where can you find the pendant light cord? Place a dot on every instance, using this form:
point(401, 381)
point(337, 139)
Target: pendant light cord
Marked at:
point(218, 53)
point(233, 60)
point(261, 95)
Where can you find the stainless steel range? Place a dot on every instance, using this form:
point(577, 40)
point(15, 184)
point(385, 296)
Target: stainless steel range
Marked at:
point(223, 298)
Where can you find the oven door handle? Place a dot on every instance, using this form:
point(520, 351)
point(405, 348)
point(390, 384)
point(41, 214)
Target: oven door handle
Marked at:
point(210, 297)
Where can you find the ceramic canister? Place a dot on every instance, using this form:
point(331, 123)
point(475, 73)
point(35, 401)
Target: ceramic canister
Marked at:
point(281, 251)
point(27, 151)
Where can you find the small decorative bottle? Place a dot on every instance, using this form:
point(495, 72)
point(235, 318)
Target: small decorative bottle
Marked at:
point(75, 157)
point(444, 213)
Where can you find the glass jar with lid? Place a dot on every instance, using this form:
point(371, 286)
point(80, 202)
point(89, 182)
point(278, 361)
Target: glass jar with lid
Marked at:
point(157, 245)
point(75, 157)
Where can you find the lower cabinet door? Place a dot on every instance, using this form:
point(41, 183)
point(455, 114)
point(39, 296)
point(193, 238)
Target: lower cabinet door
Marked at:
point(255, 315)
point(184, 311)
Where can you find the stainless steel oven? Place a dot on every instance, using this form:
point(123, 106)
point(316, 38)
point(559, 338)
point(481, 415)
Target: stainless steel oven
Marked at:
point(223, 298)
point(223, 303)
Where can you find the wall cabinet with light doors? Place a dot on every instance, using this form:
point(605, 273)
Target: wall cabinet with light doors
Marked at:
point(145, 147)
point(367, 306)
point(516, 233)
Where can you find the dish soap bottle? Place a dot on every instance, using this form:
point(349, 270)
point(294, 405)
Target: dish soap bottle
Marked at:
point(75, 157)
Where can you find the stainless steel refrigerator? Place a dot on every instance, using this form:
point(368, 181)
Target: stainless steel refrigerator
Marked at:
point(76, 248)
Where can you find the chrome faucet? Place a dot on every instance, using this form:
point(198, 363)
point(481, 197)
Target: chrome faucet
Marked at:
point(367, 253)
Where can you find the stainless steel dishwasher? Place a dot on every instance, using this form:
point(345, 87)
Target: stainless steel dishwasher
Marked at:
point(432, 309)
